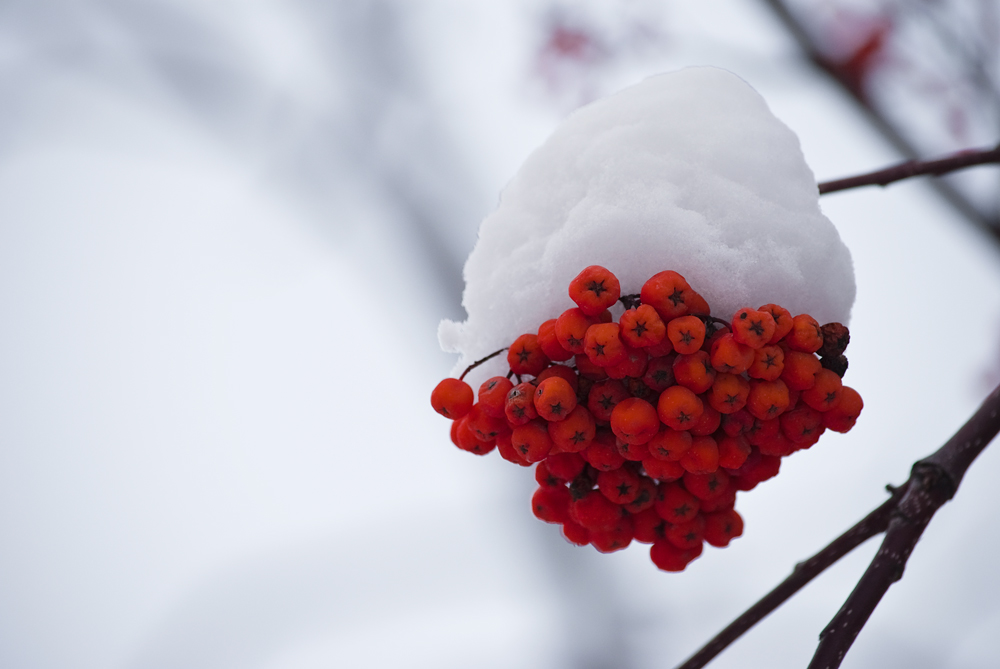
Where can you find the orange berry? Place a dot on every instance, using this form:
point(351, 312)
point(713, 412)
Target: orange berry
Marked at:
point(763, 430)
point(594, 290)
point(697, 305)
point(663, 470)
point(632, 452)
point(768, 399)
point(571, 328)
point(565, 466)
point(634, 421)
point(661, 349)
point(806, 334)
point(554, 399)
point(782, 321)
point(525, 356)
point(707, 424)
point(633, 366)
point(722, 527)
point(728, 355)
point(733, 451)
point(686, 333)
point(468, 440)
point(737, 423)
point(679, 408)
point(551, 347)
point(753, 328)
point(589, 370)
point(602, 454)
point(506, 449)
point(707, 487)
point(694, 371)
point(604, 396)
point(669, 444)
point(729, 393)
point(485, 427)
point(646, 497)
point(575, 433)
point(702, 457)
point(519, 407)
point(668, 293)
point(768, 362)
point(532, 440)
point(659, 374)
point(493, 396)
point(842, 417)
point(620, 486)
point(800, 369)
point(777, 444)
point(675, 504)
point(642, 326)
point(825, 393)
point(452, 398)
point(602, 345)
point(561, 371)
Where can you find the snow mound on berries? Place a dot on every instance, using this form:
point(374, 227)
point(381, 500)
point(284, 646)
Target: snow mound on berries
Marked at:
point(688, 171)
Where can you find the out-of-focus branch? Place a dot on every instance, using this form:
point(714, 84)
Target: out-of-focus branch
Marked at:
point(933, 482)
point(851, 86)
point(874, 523)
point(913, 168)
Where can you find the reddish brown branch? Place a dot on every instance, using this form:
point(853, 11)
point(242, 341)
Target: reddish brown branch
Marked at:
point(933, 482)
point(913, 168)
point(872, 524)
point(479, 362)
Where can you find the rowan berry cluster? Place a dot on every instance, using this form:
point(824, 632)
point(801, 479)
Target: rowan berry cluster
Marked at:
point(645, 429)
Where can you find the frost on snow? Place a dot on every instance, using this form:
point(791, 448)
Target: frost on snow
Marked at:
point(688, 171)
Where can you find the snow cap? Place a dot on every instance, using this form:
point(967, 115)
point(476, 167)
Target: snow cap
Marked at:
point(688, 171)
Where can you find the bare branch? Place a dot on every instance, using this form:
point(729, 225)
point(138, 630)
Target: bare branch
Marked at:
point(933, 482)
point(874, 523)
point(913, 168)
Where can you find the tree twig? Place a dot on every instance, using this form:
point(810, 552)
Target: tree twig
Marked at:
point(874, 523)
point(913, 168)
point(481, 361)
point(933, 482)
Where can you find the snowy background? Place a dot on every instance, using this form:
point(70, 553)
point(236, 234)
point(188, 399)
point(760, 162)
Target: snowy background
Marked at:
point(228, 231)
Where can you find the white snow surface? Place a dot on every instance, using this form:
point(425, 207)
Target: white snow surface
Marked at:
point(688, 171)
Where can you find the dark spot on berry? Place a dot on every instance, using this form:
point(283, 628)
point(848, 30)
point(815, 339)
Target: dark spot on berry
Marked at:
point(770, 360)
point(606, 402)
point(682, 510)
point(556, 409)
point(599, 349)
point(597, 287)
point(686, 337)
point(830, 397)
point(677, 297)
point(713, 483)
point(623, 489)
point(523, 355)
point(683, 417)
point(574, 342)
point(732, 399)
point(757, 327)
point(743, 316)
point(639, 328)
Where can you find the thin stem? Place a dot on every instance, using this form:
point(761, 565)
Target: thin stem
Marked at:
point(874, 523)
point(479, 362)
point(913, 168)
point(933, 481)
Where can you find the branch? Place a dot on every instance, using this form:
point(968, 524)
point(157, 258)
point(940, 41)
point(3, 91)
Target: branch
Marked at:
point(933, 481)
point(913, 168)
point(874, 523)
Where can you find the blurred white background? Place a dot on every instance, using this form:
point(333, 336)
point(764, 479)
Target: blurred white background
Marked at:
point(228, 231)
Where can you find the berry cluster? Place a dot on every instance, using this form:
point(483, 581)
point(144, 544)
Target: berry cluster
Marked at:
point(646, 429)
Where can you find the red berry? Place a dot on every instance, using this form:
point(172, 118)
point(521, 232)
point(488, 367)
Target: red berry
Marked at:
point(663, 470)
point(532, 440)
point(575, 533)
point(485, 427)
point(675, 504)
point(825, 393)
point(707, 424)
point(595, 512)
point(645, 498)
point(733, 451)
point(689, 535)
point(753, 328)
point(648, 527)
point(555, 399)
point(668, 557)
point(805, 335)
point(842, 417)
point(620, 486)
point(602, 345)
point(575, 433)
point(604, 396)
point(634, 421)
point(768, 363)
point(452, 398)
point(493, 396)
point(551, 504)
point(633, 365)
point(642, 327)
point(782, 321)
point(679, 408)
point(687, 334)
point(614, 539)
point(544, 477)
point(519, 407)
point(726, 500)
point(594, 290)
point(563, 372)
point(694, 372)
point(702, 457)
point(728, 393)
point(565, 466)
point(551, 347)
point(730, 356)
point(722, 527)
point(602, 454)
point(669, 444)
point(768, 399)
point(659, 373)
point(707, 486)
point(668, 293)
point(507, 451)
point(800, 425)
point(525, 356)
point(571, 327)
